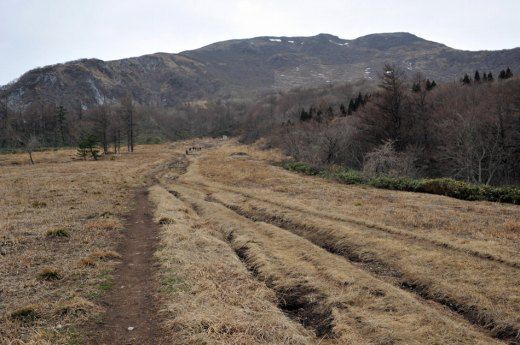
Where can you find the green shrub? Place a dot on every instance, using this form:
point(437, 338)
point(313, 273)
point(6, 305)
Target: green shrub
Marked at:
point(395, 183)
point(440, 186)
point(350, 176)
point(450, 187)
point(301, 167)
point(501, 194)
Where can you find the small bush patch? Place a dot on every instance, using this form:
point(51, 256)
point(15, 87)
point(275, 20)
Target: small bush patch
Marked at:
point(440, 186)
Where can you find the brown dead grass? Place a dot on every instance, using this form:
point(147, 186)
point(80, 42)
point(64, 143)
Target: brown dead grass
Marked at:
point(210, 296)
point(457, 253)
point(253, 254)
point(60, 220)
point(341, 303)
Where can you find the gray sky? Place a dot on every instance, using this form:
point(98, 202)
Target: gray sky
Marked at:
point(41, 32)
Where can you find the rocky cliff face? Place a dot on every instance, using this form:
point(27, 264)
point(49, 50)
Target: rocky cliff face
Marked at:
point(243, 68)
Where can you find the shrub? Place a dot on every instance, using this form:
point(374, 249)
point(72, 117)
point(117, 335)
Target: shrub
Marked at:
point(301, 168)
point(450, 187)
point(385, 160)
point(501, 194)
point(350, 176)
point(395, 183)
point(440, 186)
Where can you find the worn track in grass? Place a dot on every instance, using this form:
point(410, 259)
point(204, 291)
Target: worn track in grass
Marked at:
point(381, 269)
point(131, 301)
point(305, 222)
point(323, 291)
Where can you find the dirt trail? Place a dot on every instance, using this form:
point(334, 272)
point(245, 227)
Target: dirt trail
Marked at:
point(131, 302)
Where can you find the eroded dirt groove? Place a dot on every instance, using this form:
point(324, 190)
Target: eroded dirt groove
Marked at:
point(131, 301)
point(502, 332)
point(301, 303)
point(377, 227)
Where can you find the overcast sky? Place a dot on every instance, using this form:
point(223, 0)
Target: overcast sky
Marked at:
point(40, 32)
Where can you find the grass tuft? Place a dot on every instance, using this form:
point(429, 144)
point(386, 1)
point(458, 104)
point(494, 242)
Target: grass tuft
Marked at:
point(166, 221)
point(38, 204)
point(56, 233)
point(49, 274)
point(27, 313)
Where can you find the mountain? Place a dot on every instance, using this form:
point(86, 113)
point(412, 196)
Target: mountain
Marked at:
point(245, 67)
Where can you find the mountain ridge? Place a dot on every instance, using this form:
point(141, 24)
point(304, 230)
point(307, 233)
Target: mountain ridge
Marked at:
point(245, 67)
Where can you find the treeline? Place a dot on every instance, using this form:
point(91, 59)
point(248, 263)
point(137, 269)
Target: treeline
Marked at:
point(44, 124)
point(405, 128)
point(486, 77)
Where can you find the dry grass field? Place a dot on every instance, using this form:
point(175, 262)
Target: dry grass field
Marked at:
point(250, 253)
point(60, 221)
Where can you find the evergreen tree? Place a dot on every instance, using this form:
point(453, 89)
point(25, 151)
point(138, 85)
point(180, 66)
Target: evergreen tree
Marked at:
point(61, 114)
point(88, 145)
point(342, 110)
point(351, 107)
point(330, 111)
point(433, 84)
point(485, 77)
point(490, 77)
point(502, 75)
point(312, 112)
point(416, 87)
point(466, 80)
point(509, 74)
point(304, 115)
point(319, 116)
point(477, 77)
point(359, 100)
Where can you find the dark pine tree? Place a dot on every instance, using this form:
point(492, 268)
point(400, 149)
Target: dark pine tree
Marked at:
point(502, 75)
point(319, 116)
point(342, 110)
point(359, 101)
point(351, 107)
point(61, 118)
point(484, 77)
point(489, 77)
point(509, 74)
point(477, 77)
point(304, 115)
point(312, 112)
point(432, 85)
point(466, 80)
point(416, 87)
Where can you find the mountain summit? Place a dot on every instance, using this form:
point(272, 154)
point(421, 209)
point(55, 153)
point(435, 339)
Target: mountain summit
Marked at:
point(245, 67)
